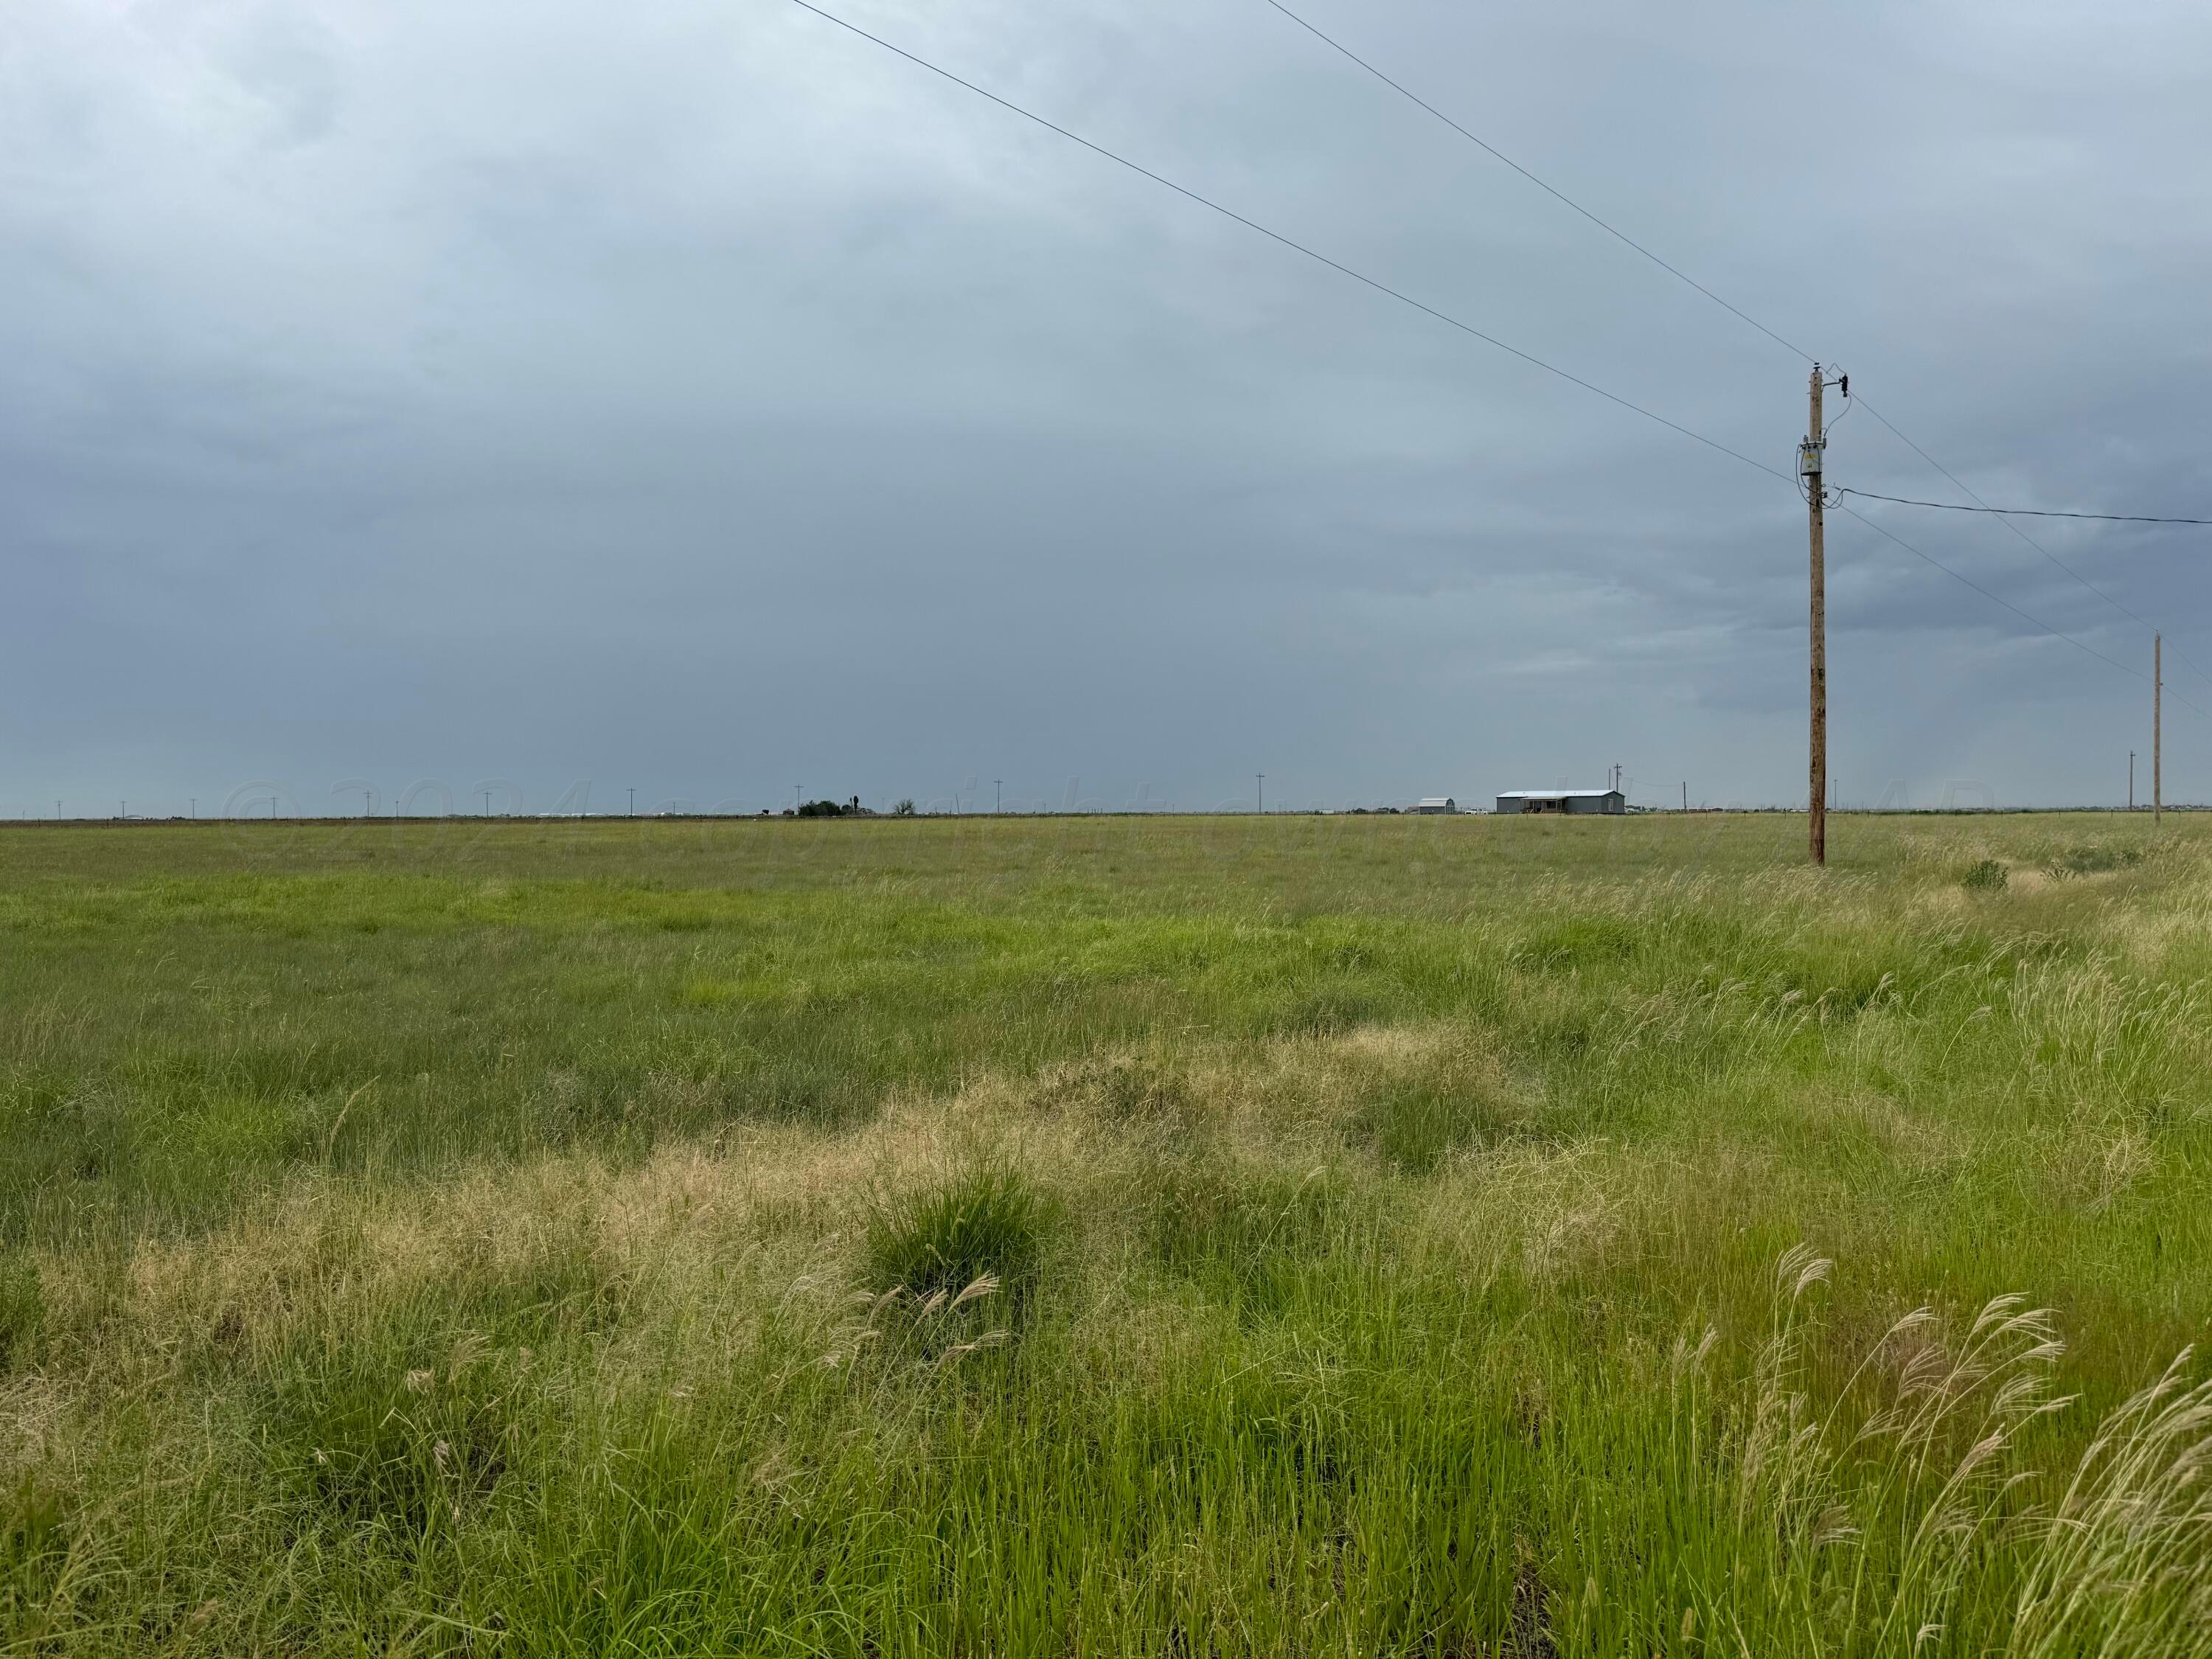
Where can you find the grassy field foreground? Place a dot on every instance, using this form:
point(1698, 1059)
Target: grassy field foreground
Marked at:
point(1175, 1238)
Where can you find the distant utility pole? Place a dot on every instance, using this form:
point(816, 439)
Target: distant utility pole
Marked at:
point(998, 794)
point(1809, 469)
point(2157, 698)
point(196, 806)
point(2131, 780)
point(1686, 794)
point(1262, 778)
point(369, 803)
point(487, 795)
point(633, 800)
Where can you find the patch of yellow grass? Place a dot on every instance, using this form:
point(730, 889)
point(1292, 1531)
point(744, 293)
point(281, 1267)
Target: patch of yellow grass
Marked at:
point(319, 1255)
point(34, 1410)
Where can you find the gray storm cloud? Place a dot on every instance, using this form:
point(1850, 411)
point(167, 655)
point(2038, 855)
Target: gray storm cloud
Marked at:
point(698, 397)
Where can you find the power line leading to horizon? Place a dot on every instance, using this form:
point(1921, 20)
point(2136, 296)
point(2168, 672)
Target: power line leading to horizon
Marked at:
point(1297, 246)
point(1745, 317)
point(1465, 328)
point(1984, 506)
point(2020, 512)
point(1548, 188)
point(1883, 531)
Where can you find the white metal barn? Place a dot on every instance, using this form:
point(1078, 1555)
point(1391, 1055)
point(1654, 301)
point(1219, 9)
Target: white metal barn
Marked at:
point(1575, 801)
point(1437, 804)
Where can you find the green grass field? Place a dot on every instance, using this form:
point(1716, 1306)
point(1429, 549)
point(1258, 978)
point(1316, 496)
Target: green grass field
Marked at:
point(1174, 1237)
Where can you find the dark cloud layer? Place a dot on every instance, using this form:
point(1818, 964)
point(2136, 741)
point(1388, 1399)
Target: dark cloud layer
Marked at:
point(693, 397)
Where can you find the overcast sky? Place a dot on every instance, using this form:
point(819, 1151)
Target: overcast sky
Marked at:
point(441, 394)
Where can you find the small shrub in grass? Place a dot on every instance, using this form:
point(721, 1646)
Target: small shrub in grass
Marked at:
point(1986, 877)
point(940, 1240)
point(2092, 861)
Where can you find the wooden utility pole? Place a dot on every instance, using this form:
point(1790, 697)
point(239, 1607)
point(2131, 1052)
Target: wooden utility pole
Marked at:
point(2131, 780)
point(2157, 697)
point(1816, 792)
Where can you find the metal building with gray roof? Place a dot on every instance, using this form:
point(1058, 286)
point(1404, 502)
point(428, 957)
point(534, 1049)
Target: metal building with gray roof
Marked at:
point(1576, 801)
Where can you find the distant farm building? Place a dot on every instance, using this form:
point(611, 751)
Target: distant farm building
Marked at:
point(1437, 804)
point(1563, 800)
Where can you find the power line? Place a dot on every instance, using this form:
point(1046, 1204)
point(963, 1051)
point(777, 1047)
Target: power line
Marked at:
point(2023, 511)
point(1741, 315)
point(1880, 530)
point(1961, 486)
point(1466, 328)
point(1297, 246)
point(1491, 149)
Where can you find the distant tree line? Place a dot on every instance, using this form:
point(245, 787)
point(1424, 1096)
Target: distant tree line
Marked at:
point(829, 809)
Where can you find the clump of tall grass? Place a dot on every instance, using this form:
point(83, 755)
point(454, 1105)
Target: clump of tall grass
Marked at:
point(940, 1240)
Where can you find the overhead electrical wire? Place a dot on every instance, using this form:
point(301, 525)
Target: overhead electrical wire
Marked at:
point(1885, 532)
point(1446, 318)
point(1737, 312)
point(2007, 523)
point(1297, 246)
point(1491, 149)
point(1961, 486)
point(2021, 512)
